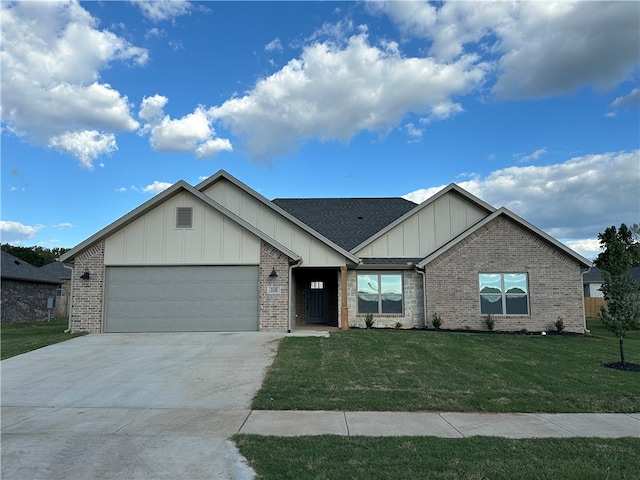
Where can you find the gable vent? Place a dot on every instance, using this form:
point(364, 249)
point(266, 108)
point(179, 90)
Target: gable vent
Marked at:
point(184, 217)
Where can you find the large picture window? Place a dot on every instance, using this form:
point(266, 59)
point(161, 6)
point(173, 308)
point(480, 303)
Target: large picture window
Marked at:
point(380, 293)
point(504, 294)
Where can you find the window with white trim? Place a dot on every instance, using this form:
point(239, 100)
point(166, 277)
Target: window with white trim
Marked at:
point(380, 292)
point(504, 293)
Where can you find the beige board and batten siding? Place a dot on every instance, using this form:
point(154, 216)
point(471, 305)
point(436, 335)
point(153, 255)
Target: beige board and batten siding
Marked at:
point(153, 239)
point(427, 229)
point(313, 252)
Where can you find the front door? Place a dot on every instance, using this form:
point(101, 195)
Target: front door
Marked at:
point(317, 305)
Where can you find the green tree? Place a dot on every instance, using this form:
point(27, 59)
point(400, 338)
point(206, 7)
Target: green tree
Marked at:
point(621, 292)
point(36, 255)
point(635, 246)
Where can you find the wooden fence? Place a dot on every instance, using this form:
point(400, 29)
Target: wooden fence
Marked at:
point(592, 306)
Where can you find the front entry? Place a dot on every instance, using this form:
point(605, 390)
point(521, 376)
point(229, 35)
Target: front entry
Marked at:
point(317, 305)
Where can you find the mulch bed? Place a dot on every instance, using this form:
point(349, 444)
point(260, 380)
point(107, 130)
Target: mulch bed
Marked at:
point(627, 367)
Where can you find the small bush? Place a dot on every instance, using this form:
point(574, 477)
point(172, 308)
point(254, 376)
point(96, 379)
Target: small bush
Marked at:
point(490, 322)
point(436, 321)
point(398, 325)
point(368, 320)
point(559, 324)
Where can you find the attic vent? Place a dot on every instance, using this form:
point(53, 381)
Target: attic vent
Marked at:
point(184, 217)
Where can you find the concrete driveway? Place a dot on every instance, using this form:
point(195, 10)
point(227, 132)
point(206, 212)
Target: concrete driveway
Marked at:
point(131, 406)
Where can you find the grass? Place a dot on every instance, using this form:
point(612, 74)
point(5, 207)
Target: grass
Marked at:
point(17, 338)
point(427, 371)
point(370, 458)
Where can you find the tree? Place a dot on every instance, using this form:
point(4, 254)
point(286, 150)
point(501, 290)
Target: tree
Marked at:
point(635, 246)
point(36, 256)
point(621, 292)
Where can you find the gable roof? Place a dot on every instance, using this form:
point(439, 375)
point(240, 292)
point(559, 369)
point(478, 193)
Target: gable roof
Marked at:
point(222, 174)
point(452, 187)
point(57, 270)
point(176, 188)
point(13, 268)
point(346, 221)
point(523, 223)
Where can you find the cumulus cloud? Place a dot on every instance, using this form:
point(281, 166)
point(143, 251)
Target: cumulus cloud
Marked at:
point(576, 199)
point(588, 248)
point(538, 49)
point(156, 187)
point(273, 45)
point(51, 91)
point(192, 133)
point(334, 91)
point(86, 145)
point(16, 232)
point(160, 10)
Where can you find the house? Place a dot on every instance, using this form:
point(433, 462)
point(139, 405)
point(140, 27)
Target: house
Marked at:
point(593, 281)
point(26, 290)
point(221, 257)
point(63, 294)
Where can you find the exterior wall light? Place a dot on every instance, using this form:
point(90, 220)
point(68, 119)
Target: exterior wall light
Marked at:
point(273, 273)
point(85, 275)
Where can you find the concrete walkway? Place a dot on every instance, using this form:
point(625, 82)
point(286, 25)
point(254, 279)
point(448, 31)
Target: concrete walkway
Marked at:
point(450, 425)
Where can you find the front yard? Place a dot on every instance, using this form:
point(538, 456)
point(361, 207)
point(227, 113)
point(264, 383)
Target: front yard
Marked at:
point(437, 371)
point(17, 338)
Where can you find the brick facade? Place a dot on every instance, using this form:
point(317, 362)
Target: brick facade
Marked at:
point(413, 303)
point(87, 302)
point(502, 246)
point(273, 307)
point(25, 301)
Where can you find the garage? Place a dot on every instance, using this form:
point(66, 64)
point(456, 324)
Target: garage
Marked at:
point(182, 299)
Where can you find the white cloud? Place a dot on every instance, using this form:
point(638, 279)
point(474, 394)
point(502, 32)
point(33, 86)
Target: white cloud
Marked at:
point(588, 248)
point(414, 133)
point(273, 45)
point(537, 48)
point(62, 225)
point(533, 156)
point(16, 232)
point(576, 199)
point(631, 100)
point(156, 187)
point(333, 92)
point(50, 74)
point(191, 133)
point(159, 10)
point(86, 145)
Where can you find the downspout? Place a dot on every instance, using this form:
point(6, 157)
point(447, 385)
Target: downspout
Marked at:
point(69, 307)
point(424, 293)
point(584, 313)
point(291, 307)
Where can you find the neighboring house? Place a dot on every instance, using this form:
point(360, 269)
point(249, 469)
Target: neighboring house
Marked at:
point(592, 281)
point(221, 257)
point(26, 290)
point(63, 294)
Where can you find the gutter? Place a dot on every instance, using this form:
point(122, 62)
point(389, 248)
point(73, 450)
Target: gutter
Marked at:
point(70, 297)
point(291, 310)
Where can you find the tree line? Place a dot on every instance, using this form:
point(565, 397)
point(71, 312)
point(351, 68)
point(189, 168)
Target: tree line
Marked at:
point(36, 255)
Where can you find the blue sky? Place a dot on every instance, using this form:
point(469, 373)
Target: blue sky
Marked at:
point(530, 105)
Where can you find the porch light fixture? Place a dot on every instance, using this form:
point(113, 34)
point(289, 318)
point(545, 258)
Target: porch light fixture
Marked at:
point(85, 275)
point(273, 273)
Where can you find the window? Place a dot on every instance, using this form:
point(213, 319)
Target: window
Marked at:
point(317, 285)
point(504, 293)
point(379, 293)
point(184, 217)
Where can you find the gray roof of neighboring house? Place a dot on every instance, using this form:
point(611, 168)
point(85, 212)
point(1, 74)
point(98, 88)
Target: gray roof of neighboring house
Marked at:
point(12, 268)
point(56, 269)
point(346, 221)
point(594, 275)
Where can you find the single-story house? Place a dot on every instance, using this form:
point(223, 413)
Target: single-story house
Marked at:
point(221, 257)
point(26, 291)
point(63, 294)
point(592, 281)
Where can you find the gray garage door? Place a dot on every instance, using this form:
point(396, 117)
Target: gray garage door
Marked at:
point(182, 299)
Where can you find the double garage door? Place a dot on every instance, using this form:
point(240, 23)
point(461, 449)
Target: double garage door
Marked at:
point(182, 299)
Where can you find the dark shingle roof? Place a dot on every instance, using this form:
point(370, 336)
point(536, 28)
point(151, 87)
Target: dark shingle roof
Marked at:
point(56, 269)
point(12, 268)
point(594, 275)
point(346, 221)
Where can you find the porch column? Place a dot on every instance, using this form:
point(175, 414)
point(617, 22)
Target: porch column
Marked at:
point(344, 309)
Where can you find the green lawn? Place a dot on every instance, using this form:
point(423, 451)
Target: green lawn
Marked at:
point(370, 458)
point(17, 338)
point(437, 371)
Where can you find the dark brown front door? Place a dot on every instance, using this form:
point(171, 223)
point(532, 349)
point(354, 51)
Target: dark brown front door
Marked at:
point(317, 308)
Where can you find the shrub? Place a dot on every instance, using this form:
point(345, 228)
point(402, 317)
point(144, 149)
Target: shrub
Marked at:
point(559, 324)
point(368, 320)
point(436, 321)
point(398, 325)
point(490, 322)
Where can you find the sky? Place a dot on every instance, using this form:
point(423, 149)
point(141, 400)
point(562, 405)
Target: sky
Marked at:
point(534, 106)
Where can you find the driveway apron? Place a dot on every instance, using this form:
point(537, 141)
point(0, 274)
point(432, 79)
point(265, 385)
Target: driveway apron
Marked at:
point(132, 406)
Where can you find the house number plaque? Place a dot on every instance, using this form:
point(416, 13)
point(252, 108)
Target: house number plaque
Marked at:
point(273, 290)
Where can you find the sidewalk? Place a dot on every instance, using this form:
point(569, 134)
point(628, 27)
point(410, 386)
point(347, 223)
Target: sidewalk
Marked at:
point(451, 425)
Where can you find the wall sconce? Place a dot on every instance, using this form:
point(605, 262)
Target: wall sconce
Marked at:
point(273, 273)
point(85, 275)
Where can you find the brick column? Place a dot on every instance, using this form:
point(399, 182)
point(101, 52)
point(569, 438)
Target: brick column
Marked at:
point(87, 302)
point(273, 291)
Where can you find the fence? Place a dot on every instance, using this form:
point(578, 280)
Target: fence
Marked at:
point(592, 306)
